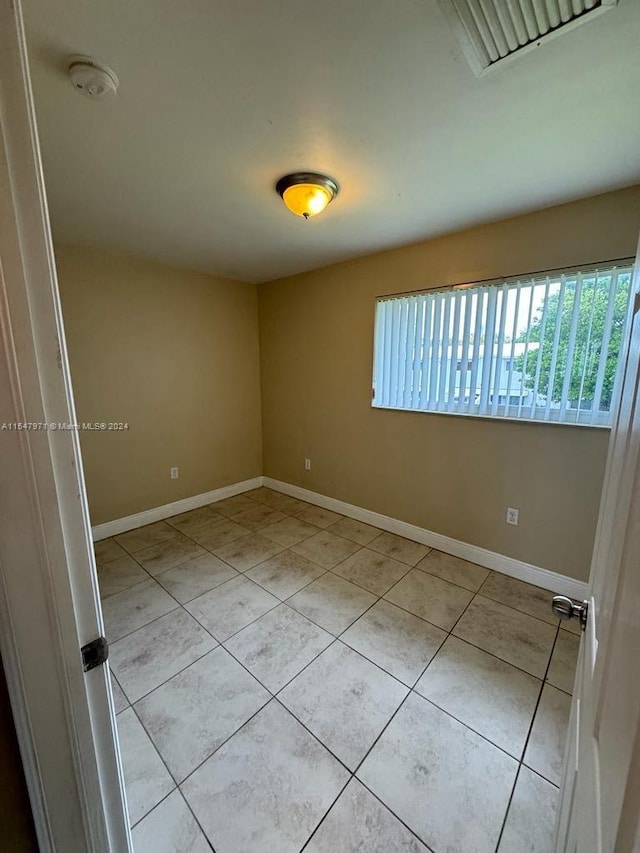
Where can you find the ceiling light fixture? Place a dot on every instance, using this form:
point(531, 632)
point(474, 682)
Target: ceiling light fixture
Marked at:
point(307, 193)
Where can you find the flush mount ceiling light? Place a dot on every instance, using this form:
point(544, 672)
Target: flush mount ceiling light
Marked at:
point(307, 193)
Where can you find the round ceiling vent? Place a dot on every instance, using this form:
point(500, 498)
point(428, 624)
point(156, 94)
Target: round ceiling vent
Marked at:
point(91, 78)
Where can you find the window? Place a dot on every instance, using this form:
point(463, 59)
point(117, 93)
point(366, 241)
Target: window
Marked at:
point(543, 349)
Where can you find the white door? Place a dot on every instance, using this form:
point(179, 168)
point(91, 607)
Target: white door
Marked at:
point(49, 604)
point(600, 800)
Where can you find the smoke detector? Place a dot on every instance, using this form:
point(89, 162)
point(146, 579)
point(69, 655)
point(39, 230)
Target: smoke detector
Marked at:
point(91, 78)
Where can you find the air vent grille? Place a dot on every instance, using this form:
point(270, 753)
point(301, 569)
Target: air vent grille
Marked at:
point(490, 31)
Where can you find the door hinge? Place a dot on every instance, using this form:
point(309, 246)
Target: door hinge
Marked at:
point(94, 653)
point(565, 608)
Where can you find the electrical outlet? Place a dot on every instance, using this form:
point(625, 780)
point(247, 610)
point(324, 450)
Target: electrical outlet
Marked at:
point(512, 515)
point(174, 473)
point(307, 464)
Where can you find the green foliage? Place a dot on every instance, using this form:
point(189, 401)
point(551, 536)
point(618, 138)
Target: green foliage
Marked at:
point(587, 353)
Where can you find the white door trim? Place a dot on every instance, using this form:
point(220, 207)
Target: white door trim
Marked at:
point(599, 805)
point(49, 604)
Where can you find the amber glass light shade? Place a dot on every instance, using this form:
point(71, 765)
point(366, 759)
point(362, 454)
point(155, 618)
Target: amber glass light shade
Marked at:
point(306, 194)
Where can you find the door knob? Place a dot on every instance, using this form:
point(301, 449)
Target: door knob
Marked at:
point(564, 608)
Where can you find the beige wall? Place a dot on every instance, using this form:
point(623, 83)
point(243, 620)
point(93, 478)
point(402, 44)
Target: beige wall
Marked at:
point(453, 475)
point(173, 353)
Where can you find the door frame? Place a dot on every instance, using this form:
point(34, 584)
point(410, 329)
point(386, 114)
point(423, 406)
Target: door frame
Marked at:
point(617, 535)
point(49, 601)
point(65, 719)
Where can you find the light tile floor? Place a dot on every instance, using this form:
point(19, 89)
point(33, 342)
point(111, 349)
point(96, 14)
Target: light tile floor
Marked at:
point(289, 679)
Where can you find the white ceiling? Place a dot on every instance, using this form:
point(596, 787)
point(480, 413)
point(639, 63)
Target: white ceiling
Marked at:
point(219, 98)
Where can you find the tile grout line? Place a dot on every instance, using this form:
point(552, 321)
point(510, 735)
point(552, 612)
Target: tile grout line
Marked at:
point(341, 518)
point(191, 812)
point(355, 651)
point(257, 532)
point(399, 819)
point(282, 601)
point(164, 763)
point(352, 778)
point(272, 695)
point(526, 743)
point(205, 629)
point(271, 699)
point(491, 654)
point(374, 744)
point(175, 674)
point(243, 572)
point(264, 686)
point(410, 567)
point(411, 690)
point(276, 696)
point(308, 664)
point(335, 638)
point(448, 634)
point(467, 726)
point(173, 779)
point(544, 681)
point(155, 747)
point(324, 816)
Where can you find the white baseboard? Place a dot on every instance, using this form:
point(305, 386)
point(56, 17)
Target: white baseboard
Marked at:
point(560, 584)
point(535, 575)
point(159, 513)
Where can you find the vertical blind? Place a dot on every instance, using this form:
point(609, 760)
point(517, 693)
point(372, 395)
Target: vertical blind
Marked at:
point(540, 349)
